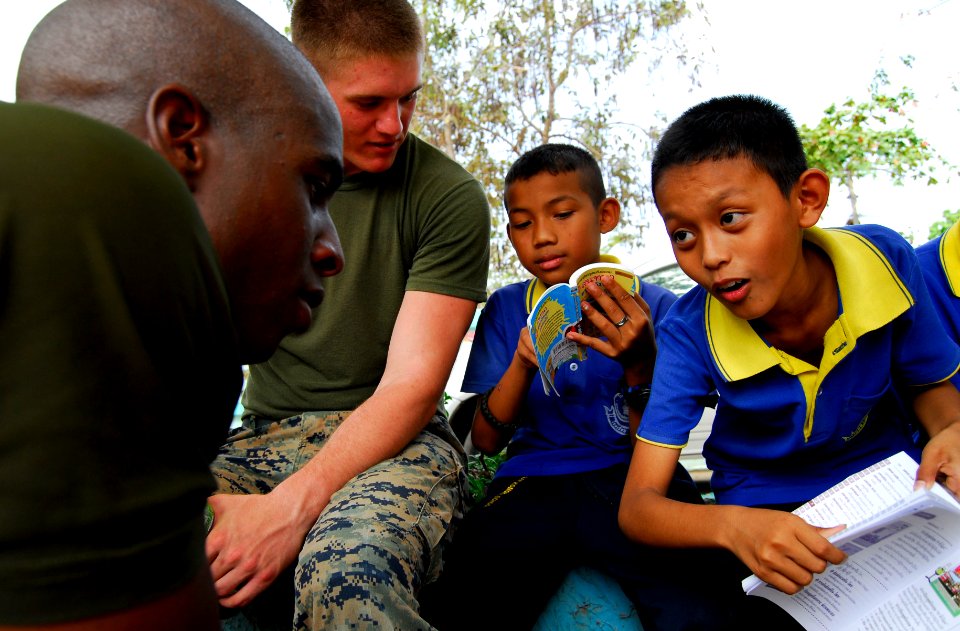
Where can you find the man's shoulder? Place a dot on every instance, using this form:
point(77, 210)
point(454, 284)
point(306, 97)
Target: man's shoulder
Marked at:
point(28, 114)
point(77, 135)
point(425, 179)
point(424, 164)
point(113, 165)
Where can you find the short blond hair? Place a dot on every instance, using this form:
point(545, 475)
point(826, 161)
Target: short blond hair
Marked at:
point(332, 30)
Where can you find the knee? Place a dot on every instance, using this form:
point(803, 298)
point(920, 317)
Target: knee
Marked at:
point(366, 558)
point(373, 577)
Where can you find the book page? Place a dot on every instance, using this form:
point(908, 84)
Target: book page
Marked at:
point(623, 275)
point(859, 498)
point(863, 494)
point(557, 311)
point(900, 574)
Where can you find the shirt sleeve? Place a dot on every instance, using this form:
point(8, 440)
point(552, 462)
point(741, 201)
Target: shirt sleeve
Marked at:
point(680, 381)
point(453, 253)
point(923, 351)
point(493, 347)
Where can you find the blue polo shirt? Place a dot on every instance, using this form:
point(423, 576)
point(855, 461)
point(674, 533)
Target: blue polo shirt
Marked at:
point(940, 262)
point(585, 428)
point(785, 430)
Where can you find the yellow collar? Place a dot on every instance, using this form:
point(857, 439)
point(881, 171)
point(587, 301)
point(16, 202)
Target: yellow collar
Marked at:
point(536, 287)
point(871, 291)
point(950, 257)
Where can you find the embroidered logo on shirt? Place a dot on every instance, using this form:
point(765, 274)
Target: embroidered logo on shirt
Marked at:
point(618, 417)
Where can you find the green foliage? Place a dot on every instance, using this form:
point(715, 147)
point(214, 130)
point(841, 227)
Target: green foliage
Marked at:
point(503, 77)
point(480, 470)
point(854, 140)
point(950, 217)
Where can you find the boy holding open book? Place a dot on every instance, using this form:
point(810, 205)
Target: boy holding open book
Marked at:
point(803, 332)
point(553, 503)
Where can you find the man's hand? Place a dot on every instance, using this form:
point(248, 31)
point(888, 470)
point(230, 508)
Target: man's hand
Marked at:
point(782, 549)
point(254, 538)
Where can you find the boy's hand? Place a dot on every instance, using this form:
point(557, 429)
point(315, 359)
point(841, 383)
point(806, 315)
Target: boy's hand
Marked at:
point(938, 409)
point(525, 353)
point(782, 549)
point(940, 460)
point(626, 326)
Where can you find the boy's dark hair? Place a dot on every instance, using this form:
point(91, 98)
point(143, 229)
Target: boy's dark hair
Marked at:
point(332, 30)
point(556, 158)
point(731, 127)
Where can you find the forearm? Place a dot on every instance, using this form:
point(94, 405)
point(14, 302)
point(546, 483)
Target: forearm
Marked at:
point(648, 517)
point(378, 429)
point(505, 403)
point(937, 407)
point(423, 346)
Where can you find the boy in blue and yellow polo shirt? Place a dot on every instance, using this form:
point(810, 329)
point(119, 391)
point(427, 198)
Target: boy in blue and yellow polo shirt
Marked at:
point(803, 333)
point(940, 262)
point(552, 506)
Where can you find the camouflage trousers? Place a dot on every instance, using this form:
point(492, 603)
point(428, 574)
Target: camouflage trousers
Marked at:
point(378, 540)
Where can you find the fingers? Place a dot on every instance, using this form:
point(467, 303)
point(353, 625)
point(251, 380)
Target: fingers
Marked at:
point(525, 349)
point(940, 461)
point(792, 552)
point(927, 472)
point(826, 550)
point(238, 580)
point(617, 308)
point(235, 593)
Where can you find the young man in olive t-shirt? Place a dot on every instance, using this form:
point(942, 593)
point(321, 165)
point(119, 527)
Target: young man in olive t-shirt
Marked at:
point(355, 473)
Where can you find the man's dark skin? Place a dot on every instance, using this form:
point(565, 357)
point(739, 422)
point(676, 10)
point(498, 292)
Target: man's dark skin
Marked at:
point(249, 125)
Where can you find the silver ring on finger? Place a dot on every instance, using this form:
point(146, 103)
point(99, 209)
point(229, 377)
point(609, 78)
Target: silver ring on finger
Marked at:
point(622, 321)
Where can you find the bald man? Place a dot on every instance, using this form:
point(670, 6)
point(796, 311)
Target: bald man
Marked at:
point(126, 313)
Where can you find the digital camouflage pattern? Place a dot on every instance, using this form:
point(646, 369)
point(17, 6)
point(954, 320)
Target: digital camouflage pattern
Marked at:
point(380, 537)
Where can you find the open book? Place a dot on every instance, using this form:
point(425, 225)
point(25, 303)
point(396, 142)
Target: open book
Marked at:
point(558, 311)
point(903, 555)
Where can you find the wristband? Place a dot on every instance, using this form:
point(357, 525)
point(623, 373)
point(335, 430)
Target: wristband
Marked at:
point(637, 396)
point(490, 418)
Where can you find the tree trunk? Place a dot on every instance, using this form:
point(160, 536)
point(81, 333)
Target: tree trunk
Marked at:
point(854, 217)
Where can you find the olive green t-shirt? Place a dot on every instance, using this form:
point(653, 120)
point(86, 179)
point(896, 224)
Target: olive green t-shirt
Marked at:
point(118, 369)
point(422, 225)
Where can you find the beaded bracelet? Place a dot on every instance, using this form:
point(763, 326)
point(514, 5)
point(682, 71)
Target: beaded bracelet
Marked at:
point(488, 415)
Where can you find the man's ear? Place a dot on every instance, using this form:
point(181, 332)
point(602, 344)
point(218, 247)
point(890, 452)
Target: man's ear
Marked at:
point(176, 123)
point(608, 214)
point(812, 191)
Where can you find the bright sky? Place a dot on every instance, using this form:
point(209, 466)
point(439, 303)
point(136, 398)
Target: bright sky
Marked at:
point(806, 56)
point(803, 56)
